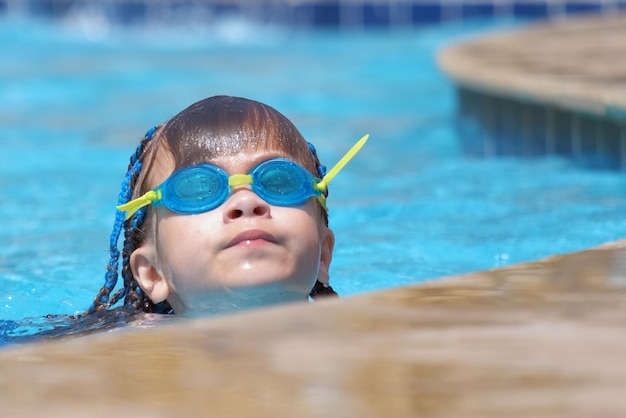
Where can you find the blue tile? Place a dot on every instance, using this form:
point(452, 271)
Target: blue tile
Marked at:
point(302, 15)
point(322, 13)
point(221, 9)
point(579, 7)
point(532, 10)
point(50, 8)
point(184, 8)
point(129, 12)
point(351, 15)
point(400, 14)
point(427, 13)
point(327, 14)
point(477, 10)
point(274, 13)
point(376, 15)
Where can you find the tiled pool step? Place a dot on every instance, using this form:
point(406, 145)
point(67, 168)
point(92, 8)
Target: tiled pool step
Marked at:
point(312, 14)
point(554, 88)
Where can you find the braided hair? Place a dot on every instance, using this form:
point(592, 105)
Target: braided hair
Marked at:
point(134, 233)
point(133, 236)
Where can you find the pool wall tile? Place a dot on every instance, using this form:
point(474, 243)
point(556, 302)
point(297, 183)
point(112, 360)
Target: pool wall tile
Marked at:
point(531, 10)
point(492, 126)
point(52, 8)
point(130, 12)
point(478, 10)
point(582, 7)
point(376, 15)
point(400, 14)
point(427, 13)
point(326, 14)
point(316, 14)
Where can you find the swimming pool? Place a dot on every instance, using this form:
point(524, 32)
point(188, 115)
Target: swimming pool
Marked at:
point(412, 207)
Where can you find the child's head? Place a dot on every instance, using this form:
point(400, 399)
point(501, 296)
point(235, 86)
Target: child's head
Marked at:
point(205, 236)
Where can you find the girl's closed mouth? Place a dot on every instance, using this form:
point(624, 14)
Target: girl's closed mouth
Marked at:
point(251, 238)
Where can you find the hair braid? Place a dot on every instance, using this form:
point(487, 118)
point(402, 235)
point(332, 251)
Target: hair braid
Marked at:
point(102, 299)
point(322, 290)
point(134, 296)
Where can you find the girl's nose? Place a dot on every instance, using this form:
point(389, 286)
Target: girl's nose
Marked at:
point(245, 203)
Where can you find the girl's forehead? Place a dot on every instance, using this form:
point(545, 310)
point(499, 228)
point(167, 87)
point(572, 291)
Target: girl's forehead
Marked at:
point(201, 149)
point(240, 163)
point(243, 162)
point(161, 168)
point(222, 145)
point(235, 153)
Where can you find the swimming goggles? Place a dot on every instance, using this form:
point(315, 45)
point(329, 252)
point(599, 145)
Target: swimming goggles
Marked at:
point(203, 187)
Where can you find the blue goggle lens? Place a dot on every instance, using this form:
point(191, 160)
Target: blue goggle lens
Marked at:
point(195, 189)
point(283, 183)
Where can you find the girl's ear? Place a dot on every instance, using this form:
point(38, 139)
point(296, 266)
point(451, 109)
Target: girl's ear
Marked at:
point(148, 276)
point(326, 255)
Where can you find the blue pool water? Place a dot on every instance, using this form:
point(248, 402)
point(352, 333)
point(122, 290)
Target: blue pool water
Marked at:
point(75, 98)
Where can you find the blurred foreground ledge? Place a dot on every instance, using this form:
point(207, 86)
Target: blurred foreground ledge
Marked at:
point(542, 339)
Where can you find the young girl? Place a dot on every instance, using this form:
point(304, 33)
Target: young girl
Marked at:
point(223, 207)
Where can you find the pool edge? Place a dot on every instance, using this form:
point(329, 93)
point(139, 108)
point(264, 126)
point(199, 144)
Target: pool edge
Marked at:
point(509, 340)
point(535, 90)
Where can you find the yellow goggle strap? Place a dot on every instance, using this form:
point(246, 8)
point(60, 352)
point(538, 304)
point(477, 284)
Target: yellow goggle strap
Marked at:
point(322, 200)
point(344, 160)
point(134, 205)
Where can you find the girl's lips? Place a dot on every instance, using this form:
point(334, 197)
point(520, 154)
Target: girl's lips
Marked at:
point(251, 238)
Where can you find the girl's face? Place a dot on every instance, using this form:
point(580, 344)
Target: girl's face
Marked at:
point(244, 253)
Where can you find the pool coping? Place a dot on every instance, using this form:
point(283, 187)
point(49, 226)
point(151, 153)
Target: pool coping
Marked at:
point(527, 64)
point(551, 88)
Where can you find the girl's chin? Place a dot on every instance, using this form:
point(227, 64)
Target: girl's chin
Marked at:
point(233, 299)
point(255, 273)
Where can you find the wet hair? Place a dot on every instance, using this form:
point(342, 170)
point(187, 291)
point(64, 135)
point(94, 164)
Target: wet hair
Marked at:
point(213, 127)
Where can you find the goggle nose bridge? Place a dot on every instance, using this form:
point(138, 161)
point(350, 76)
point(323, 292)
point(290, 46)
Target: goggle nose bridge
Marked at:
point(239, 180)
